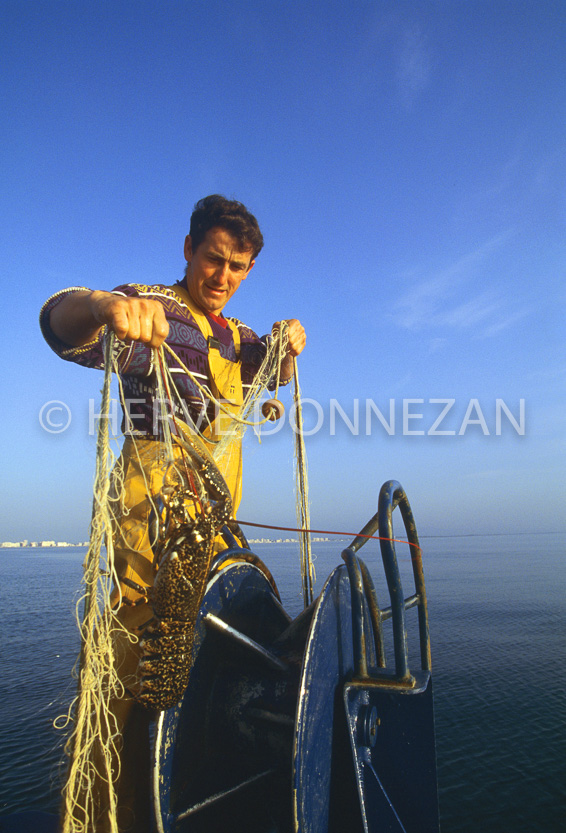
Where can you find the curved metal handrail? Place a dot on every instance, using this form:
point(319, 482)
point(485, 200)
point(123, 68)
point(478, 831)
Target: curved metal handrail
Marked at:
point(391, 496)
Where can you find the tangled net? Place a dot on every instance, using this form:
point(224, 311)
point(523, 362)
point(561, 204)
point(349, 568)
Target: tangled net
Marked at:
point(93, 747)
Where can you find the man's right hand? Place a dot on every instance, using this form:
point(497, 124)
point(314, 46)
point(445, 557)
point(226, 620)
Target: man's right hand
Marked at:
point(132, 319)
point(79, 317)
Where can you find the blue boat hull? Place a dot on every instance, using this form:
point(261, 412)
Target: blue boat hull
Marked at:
point(300, 726)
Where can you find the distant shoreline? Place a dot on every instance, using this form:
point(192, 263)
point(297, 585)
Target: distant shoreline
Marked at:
point(28, 545)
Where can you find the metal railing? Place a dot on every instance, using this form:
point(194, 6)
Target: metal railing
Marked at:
point(391, 496)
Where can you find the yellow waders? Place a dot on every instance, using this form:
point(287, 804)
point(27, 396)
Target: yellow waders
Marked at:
point(143, 464)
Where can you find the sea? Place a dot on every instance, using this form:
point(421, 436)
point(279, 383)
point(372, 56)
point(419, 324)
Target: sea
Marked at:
point(498, 633)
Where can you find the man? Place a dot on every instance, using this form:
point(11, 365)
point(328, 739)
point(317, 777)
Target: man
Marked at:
point(223, 355)
point(220, 250)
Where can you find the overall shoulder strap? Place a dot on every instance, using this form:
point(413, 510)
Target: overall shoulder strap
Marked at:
point(202, 321)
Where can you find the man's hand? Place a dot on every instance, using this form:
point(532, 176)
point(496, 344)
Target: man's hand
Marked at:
point(79, 317)
point(132, 319)
point(296, 340)
point(297, 337)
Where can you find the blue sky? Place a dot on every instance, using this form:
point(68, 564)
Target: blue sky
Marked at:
point(406, 161)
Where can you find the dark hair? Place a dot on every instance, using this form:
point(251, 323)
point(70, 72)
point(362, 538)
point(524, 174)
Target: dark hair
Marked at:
point(231, 215)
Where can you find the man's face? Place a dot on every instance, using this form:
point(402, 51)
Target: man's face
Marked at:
point(216, 269)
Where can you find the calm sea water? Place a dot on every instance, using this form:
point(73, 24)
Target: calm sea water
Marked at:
point(499, 666)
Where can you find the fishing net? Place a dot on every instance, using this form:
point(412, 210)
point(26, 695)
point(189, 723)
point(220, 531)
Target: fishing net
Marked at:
point(94, 744)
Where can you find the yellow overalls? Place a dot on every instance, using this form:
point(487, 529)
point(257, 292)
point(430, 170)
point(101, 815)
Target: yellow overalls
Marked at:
point(143, 464)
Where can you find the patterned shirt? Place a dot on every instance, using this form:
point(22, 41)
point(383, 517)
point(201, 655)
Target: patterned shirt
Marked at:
point(135, 360)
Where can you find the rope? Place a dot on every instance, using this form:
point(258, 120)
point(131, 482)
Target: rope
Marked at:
point(277, 346)
point(334, 532)
point(308, 577)
point(92, 745)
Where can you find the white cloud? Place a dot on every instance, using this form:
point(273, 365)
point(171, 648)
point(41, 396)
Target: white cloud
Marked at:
point(388, 54)
point(436, 345)
point(451, 299)
point(414, 64)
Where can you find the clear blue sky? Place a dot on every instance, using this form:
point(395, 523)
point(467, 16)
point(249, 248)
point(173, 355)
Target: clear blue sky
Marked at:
point(406, 161)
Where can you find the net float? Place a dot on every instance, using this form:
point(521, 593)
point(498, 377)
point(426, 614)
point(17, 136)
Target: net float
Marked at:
point(272, 409)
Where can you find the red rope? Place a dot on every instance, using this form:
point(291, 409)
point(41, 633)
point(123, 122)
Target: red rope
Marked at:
point(328, 532)
point(281, 528)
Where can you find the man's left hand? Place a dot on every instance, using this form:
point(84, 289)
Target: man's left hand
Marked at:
point(296, 337)
point(296, 340)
